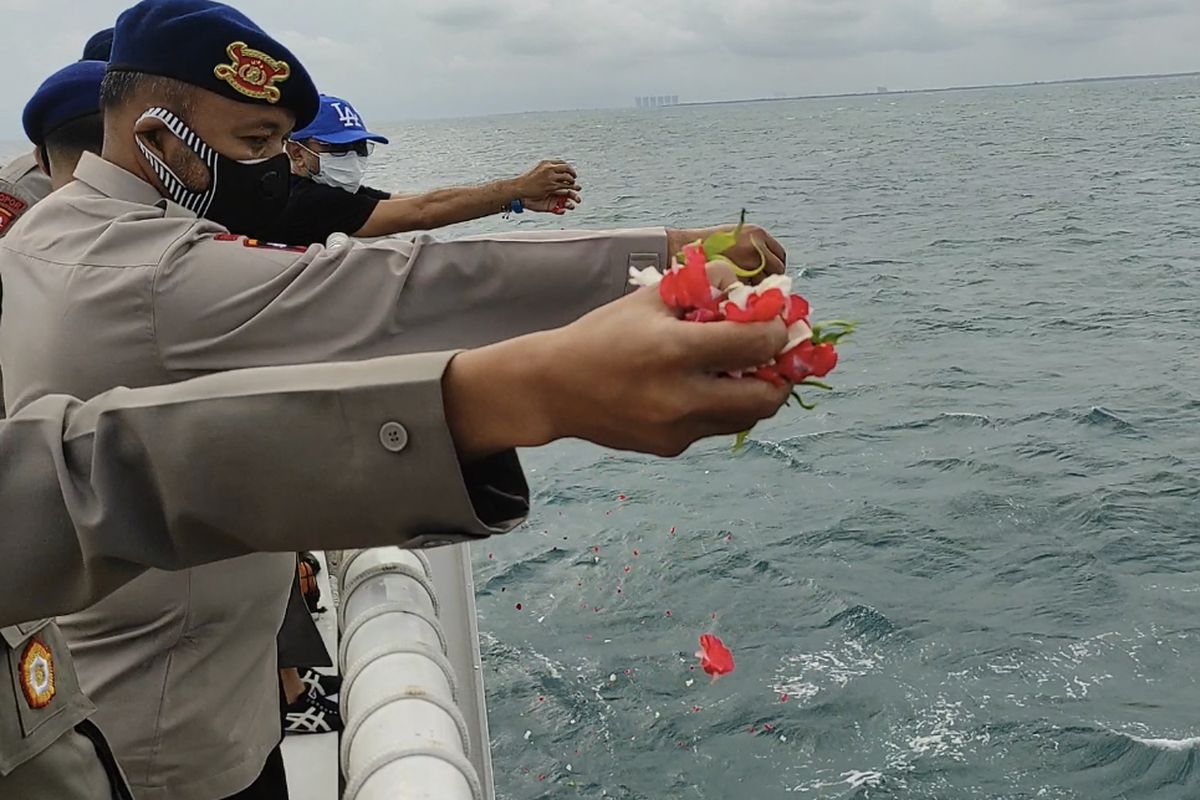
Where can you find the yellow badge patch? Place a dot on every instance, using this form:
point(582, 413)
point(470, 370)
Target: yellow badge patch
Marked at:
point(37, 674)
point(253, 72)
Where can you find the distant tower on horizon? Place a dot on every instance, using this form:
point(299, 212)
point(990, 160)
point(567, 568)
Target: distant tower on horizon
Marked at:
point(656, 100)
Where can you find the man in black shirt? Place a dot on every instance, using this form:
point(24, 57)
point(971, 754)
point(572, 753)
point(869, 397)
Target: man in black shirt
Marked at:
point(327, 196)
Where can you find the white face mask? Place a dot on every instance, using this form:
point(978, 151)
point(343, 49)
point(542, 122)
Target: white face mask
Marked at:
point(341, 170)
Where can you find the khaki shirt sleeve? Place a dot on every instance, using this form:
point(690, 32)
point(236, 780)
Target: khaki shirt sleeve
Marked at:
point(333, 455)
point(264, 306)
point(22, 184)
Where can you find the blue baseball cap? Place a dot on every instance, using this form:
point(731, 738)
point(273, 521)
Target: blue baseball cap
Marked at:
point(70, 93)
point(337, 123)
point(99, 47)
point(212, 46)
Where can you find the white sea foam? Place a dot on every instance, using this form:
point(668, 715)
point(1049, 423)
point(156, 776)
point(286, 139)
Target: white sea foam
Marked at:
point(1174, 745)
point(857, 779)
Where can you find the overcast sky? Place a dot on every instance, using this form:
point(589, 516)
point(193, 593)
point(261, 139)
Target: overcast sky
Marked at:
point(398, 59)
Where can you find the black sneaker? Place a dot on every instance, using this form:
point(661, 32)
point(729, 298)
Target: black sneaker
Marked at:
point(321, 685)
point(311, 714)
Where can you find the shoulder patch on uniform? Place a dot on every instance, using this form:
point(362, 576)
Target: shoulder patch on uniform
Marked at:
point(11, 207)
point(37, 674)
point(258, 243)
point(14, 204)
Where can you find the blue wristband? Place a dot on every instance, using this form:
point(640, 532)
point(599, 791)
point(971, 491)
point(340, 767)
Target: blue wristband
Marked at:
point(517, 207)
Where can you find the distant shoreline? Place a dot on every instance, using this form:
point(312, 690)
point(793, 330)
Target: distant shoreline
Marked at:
point(935, 90)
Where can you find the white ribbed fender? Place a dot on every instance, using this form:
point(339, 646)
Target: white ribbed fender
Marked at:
point(416, 774)
point(427, 721)
point(390, 622)
point(404, 584)
point(388, 666)
point(356, 561)
point(405, 738)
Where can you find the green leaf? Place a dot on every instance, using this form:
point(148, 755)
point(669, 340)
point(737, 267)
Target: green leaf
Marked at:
point(816, 383)
point(762, 261)
point(821, 334)
point(741, 440)
point(800, 400)
point(719, 242)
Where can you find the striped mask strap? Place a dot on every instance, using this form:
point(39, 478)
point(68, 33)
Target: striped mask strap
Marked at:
point(177, 190)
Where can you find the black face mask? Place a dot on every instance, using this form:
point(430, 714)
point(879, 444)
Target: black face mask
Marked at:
point(244, 196)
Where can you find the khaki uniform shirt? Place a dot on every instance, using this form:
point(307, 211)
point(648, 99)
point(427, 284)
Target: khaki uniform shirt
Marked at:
point(22, 183)
point(93, 494)
point(107, 283)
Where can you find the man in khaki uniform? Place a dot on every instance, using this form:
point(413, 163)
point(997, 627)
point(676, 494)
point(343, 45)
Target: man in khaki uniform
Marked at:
point(22, 181)
point(62, 119)
point(93, 494)
point(113, 283)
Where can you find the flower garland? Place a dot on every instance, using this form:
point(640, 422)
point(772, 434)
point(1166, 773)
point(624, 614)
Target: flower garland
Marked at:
point(811, 350)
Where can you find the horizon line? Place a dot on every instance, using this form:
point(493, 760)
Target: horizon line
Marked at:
point(936, 89)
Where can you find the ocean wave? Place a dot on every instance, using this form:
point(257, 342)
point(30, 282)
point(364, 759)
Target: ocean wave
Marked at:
point(1170, 745)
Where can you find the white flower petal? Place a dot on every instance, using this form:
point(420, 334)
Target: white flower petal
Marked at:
point(781, 282)
point(797, 332)
point(739, 295)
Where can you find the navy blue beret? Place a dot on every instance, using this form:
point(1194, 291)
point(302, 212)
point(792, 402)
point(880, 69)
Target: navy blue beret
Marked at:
point(214, 47)
point(99, 47)
point(70, 93)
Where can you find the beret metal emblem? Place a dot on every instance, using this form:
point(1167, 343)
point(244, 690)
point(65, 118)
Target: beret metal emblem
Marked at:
point(253, 72)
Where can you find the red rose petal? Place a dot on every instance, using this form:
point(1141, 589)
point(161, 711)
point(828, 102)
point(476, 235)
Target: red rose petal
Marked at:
point(759, 307)
point(807, 359)
point(794, 310)
point(715, 658)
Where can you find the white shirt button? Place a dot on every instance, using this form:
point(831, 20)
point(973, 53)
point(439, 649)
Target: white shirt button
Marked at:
point(393, 436)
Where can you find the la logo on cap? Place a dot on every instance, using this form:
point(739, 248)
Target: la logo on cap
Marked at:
point(347, 115)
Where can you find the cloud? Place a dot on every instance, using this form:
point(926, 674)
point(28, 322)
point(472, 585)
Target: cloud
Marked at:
point(406, 58)
point(465, 16)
